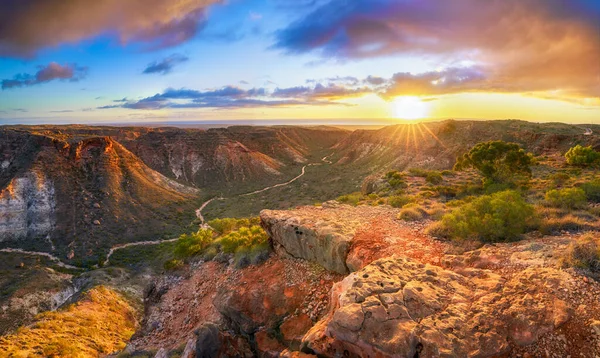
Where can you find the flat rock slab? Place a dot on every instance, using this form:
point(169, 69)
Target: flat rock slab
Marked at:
point(343, 238)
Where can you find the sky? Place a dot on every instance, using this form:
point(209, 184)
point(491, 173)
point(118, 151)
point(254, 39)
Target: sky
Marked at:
point(354, 61)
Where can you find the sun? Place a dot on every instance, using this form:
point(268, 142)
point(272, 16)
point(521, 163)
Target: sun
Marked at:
point(409, 107)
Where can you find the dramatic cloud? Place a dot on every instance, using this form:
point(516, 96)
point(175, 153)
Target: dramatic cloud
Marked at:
point(528, 45)
point(235, 97)
point(53, 71)
point(451, 80)
point(165, 65)
point(29, 25)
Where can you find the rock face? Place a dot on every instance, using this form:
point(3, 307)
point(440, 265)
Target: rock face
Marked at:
point(398, 307)
point(27, 208)
point(70, 198)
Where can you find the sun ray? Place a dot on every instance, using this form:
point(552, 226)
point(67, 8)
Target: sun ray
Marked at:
point(433, 135)
point(407, 138)
point(414, 137)
point(421, 132)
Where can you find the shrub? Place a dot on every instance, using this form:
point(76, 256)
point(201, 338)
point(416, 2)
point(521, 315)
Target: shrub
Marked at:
point(395, 179)
point(190, 245)
point(411, 212)
point(567, 198)
point(497, 161)
point(560, 179)
point(398, 201)
point(489, 218)
point(227, 225)
point(592, 190)
point(244, 238)
point(584, 253)
point(352, 199)
point(582, 156)
point(434, 177)
point(173, 264)
point(445, 191)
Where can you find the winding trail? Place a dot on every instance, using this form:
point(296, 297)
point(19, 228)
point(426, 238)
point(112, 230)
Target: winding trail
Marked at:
point(44, 254)
point(139, 243)
point(204, 205)
point(158, 242)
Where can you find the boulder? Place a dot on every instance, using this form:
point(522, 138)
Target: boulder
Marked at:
point(399, 307)
point(301, 238)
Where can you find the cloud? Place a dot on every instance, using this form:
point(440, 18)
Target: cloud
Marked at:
point(530, 45)
point(450, 80)
point(27, 26)
point(165, 65)
point(51, 72)
point(320, 91)
point(235, 97)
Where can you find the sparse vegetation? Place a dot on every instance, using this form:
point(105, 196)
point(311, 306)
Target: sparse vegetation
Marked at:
point(498, 217)
point(99, 324)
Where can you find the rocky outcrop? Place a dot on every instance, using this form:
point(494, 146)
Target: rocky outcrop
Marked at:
point(27, 208)
point(398, 307)
point(343, 238)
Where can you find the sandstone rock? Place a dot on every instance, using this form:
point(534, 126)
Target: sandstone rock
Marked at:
point(252, 304)
point(294, 328)
point(344, 238)
point(189, 350)
point(162, 353)
point(398, 307)
point(317, 243)
point(267, 345)
point(595, 324)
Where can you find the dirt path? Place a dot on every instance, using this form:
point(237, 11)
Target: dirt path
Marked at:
point(44, 254)
point(140, 243)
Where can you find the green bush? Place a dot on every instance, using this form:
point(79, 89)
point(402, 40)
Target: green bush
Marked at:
point(227, 225)
point(567, 198)
point(395, 179)
point(434, 177)
point(582, 156)
point(244, 238)
point(489, 218)
point(592, 190)
point(398, 201)
point(189, 245)
point(352, 199)
point(497, 161)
